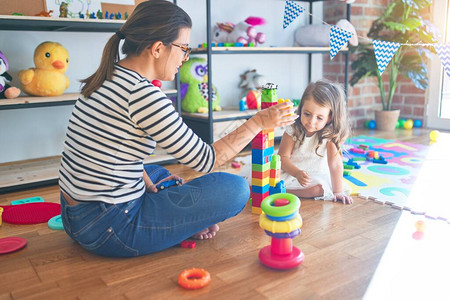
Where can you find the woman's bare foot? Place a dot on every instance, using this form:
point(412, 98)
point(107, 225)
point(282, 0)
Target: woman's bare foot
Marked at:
point(311, 192)
point(207, 233)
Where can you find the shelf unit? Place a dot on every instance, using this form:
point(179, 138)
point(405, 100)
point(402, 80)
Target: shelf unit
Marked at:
point(42, 171)
point(206, 126)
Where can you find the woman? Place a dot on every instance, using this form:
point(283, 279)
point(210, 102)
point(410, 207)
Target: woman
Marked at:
point(110, 204)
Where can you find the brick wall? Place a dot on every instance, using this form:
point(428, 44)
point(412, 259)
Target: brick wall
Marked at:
point(364, 97)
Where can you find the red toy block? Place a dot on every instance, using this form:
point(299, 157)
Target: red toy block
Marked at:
point(235, 165)
point(187, 244)
point(260, 175)
point(260, 141)
point(267, 104)
point(258, 198)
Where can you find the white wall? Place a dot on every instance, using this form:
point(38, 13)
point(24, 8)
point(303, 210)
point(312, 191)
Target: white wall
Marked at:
point(39, 132)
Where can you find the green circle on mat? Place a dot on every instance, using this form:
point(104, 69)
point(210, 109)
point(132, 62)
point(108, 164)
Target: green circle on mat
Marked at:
point(56, 223)
point(269, 208)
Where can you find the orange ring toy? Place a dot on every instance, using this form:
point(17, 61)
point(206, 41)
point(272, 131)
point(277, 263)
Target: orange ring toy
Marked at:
point(194, 278)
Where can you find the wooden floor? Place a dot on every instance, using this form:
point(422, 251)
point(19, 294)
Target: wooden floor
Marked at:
point(342, 244)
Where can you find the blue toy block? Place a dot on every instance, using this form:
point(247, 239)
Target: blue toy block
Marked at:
point(279, 188)
point(262, 156)
point(379, 161)
point(260, 189)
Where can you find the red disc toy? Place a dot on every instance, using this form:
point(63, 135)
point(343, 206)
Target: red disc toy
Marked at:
point(11, 244)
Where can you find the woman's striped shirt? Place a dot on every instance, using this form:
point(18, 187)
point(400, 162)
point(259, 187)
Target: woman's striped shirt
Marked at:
point(114, 130)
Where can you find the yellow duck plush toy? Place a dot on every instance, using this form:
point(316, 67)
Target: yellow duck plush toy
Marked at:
point(47, 79)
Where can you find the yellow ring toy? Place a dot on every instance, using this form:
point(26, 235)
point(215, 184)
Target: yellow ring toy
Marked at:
point(268, 205)
point(280, 227)
point(194, 278)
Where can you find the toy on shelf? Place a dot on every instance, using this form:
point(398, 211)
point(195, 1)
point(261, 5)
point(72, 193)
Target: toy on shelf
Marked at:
point(157, 83)
point(318, 35)
point(252, 82)
point(194, 87)
point(194, 278)
point(63, 9)
point(242, 32)
point(281, 220)
point(44, 13)
point(47, 79)
point(6, 91)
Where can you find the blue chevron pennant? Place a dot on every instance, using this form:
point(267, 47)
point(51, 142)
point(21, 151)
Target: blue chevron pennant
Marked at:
point(384, 51)
point(443, 51)
point(291, 11)
point(338, 38)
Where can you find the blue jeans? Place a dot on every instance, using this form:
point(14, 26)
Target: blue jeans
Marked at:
point(155, 221)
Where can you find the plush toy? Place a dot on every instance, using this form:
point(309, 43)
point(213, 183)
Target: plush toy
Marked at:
point(319, 35)
point(47, 79)
point(252, 83)
point(243, 32)
point(194, 87)
point(6, 91)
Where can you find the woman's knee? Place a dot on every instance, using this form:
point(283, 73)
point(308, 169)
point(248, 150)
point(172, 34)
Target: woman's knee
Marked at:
point(234, 186)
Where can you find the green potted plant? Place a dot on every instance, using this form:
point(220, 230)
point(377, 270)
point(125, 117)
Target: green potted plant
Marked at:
point(402, 22)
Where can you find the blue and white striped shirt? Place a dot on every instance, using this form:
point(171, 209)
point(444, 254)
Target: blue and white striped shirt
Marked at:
point(114, 130)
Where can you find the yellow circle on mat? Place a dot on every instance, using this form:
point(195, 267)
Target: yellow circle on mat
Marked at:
point(280, 227)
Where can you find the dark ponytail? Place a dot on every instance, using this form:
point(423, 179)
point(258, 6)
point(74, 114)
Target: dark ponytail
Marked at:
point(151, 21)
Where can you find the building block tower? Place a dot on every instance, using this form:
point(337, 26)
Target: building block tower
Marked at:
point(264, 180)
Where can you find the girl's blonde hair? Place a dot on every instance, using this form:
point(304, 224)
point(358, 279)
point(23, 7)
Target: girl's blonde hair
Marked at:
point(326, 94)
point(151, 21)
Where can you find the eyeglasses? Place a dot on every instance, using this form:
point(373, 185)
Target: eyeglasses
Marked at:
point(187, 50)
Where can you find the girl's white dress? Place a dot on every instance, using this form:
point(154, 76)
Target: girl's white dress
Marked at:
point(305, 158)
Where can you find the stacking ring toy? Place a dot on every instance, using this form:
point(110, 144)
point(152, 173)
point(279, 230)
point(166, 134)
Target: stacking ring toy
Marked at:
point(269, 207)
point(280, 227)
point(194, 278)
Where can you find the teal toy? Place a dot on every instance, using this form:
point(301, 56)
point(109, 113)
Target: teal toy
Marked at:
point(27, 200)
point(56, 223)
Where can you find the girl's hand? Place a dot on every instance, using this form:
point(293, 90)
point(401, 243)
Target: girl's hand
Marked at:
point(279, 115)
point(343, 198)
point(303, 178)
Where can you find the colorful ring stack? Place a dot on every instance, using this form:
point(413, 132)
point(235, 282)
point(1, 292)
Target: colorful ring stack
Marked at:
point(281, 220)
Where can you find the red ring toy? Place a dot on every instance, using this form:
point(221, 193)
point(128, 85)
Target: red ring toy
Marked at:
point(194, 278)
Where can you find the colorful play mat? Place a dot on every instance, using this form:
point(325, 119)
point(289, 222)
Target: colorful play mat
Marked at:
point(395, 183)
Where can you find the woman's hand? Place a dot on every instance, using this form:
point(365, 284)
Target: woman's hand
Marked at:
point(152, 188)
point(303, 178)
point(343, 198)
point(282, 114)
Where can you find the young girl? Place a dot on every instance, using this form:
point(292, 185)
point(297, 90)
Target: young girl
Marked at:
point(310, 149)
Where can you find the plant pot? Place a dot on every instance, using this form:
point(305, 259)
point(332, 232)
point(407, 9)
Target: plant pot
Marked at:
point(386, 119)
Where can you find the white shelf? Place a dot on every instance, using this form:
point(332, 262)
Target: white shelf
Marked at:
point(223, 115)
point(269, 50)
point(34, 101)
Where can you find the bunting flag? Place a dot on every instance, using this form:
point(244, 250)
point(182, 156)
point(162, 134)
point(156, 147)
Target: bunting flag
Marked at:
point(384, 51)
point(291, 11)
point(443, 51)
point(338, 38)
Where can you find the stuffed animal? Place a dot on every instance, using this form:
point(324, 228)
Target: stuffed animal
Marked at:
point(47, 79)
point(243, 32)
point(6, 91)
point(194, 87)
point(319, 35)
point(252, 83)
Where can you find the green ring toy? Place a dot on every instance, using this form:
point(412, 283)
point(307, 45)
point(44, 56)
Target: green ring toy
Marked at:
point(270, 209)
